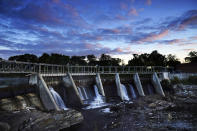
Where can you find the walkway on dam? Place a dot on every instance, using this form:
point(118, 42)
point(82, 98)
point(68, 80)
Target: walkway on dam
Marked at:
point(61, 70)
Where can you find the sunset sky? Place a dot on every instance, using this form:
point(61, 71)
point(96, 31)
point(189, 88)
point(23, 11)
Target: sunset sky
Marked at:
point(81, 27)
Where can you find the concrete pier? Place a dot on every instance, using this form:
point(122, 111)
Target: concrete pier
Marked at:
point(138, 84)
point(45, 95)
point(118, 84)
point(99, 84)
point(75, 87)
point(157, 85)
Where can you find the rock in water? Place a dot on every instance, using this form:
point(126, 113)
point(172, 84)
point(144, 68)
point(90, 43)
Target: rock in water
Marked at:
point(41, 121)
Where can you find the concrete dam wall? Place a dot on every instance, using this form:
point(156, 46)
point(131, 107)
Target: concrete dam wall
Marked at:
point(79, 90)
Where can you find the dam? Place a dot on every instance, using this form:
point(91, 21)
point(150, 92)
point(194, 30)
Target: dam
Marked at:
point(63, 87)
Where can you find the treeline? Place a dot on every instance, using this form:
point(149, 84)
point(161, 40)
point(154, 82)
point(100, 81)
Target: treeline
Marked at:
point(104, 60)
point(152, 59)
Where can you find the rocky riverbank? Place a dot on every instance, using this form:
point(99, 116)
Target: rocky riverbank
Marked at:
point(26, 120)
point(26, 112)
point(149, 113)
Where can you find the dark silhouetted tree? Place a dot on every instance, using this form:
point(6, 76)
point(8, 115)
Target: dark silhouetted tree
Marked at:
point(45, 58)
point(153, 59)
point(172, 61)
point(78, 60)
point(192, 57)
point(157, 59)
point(106, 60)
point(59, 59)
point(92, 60)
point(25, 58)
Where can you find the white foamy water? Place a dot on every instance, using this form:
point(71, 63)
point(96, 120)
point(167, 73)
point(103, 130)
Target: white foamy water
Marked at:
point(84, 90)
point(80, 93)
point(106, 110)
point(58, 99)
point(132, 92)
point(124, 92)
point(98, 100)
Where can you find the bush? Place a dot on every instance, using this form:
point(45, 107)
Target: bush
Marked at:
point(192, 80)
point(175, 80)
point(167, 86)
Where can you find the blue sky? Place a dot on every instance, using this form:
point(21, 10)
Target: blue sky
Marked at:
point(81, 27)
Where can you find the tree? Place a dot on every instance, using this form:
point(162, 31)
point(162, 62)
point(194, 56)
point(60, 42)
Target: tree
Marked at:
point(172, 60)
point(78, 60)
point(192, 57)
point(157, 59)
point(106, 60)
point(45, 58)
point(54, 59)
point(153, 59)
point(92, 60)
point(25, 58)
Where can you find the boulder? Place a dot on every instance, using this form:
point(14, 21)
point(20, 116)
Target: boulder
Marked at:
point(37, 120)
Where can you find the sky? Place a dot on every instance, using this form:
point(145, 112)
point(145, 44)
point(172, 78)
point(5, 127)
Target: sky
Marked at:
point(119, 28)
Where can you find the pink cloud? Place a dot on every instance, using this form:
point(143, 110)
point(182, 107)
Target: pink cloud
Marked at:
point(194, 37)
point(148, 2)
point(120, 17)
point(153, 37)
point(123, 6)
point(188, 21)
point(133, 11)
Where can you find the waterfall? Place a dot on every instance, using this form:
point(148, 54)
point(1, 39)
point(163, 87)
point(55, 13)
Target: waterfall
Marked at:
point(132, 91)
point(124, 92)
point(57, 99)
point(98, 100)
point(98, 96)
point(84, 90)
point(80, 93)
point(150, 89)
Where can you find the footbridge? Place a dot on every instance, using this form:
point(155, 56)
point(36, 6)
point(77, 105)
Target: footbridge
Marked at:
point(61, 70)
point(38, 71)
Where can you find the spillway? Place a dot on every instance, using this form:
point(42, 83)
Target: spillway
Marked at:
point(57, 99)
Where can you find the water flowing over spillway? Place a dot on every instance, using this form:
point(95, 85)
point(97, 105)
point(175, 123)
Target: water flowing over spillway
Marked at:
point(57, 99)
point(84, 90)
point(98, 100)
point(80, 93)
point(124, 92)
point(134, 96)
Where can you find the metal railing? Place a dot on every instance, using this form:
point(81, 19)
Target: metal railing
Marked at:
point(27, 67)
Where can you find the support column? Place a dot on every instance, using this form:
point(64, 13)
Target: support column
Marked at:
point(99, 84)
point(156, 84)
point(75, 88)
point(138, 84)
point(45, 95)
point(118, 84)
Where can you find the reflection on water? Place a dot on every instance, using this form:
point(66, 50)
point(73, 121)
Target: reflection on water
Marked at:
point(7, 82)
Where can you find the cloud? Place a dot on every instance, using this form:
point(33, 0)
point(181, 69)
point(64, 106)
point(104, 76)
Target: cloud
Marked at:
point(193, 37)
point(148, 2)
point(133, 11)
point(174, 41)
point(187, 20)
point(154, 36)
